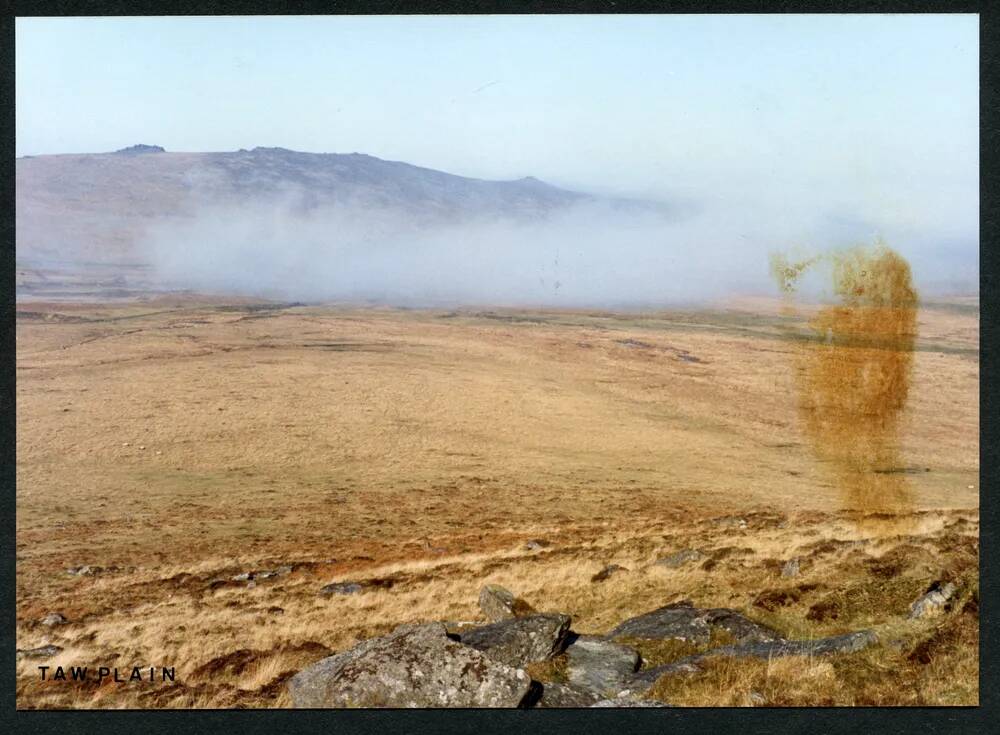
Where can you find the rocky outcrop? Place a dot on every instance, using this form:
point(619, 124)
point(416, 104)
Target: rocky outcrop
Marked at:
point(140, 148)
point(425, 665)
point(414, 666)
point(520, 641)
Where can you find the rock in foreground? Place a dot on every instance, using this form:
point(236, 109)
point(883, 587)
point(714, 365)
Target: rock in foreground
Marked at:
point(599, 666)
point(556, 695)
point(414, 666)
point(522, 640)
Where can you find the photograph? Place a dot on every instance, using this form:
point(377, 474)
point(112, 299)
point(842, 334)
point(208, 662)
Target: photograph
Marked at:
point(496, 361)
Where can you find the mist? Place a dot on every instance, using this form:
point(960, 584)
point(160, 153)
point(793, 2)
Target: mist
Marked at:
point(592, 254)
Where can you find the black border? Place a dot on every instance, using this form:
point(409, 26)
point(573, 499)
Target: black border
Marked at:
point(584, 722)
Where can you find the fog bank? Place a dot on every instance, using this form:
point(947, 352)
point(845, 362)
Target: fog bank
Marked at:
point(586, 255)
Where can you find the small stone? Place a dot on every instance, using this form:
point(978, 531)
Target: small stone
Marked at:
point(341, 588)
point(536, 543)
point(679, 559)
point(791, 568)
point(497, 602)
point(52, 619)
point(934, 601)
point(40, 652)
point(607, 572)
point(757, 698)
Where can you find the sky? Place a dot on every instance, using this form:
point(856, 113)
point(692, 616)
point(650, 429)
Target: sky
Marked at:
point(861, 123)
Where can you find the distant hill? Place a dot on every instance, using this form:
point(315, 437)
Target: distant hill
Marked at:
point(93, 208)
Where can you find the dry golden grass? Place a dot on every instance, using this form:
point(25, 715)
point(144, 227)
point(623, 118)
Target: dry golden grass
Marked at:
point(427, 447)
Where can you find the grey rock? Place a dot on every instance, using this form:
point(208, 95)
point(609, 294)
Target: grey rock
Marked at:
point(497, 603)
point(683, 621)
point(262, 574)
point(629, 702)
point(85, 571)
point(341, 588)
point(791, 568)
point(536, 543)
point(645, 679)
point(522, 640)
point(680, 621)
point(598, 665)
point(40, 652)
point(934, 601)
point(730, 522)
point(607, 572)
point(679, 559)
point(846, 643)
point(414, 666)
point(52, 619)
point(739, 626)
point(555, 695)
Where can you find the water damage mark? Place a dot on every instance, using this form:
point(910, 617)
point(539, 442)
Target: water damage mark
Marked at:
point(853, 379)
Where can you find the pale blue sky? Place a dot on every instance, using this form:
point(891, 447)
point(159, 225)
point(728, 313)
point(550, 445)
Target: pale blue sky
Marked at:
point(871, 117)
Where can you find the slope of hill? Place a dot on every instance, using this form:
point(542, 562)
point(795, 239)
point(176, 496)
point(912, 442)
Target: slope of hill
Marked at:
point(92, 208)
